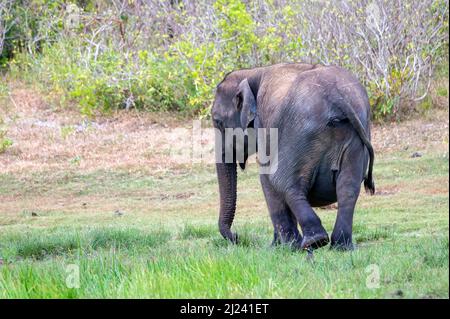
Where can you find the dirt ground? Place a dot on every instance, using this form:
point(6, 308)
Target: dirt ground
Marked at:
point(45, 139)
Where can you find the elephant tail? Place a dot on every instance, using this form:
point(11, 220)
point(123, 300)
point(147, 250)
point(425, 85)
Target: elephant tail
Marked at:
point(346, 107)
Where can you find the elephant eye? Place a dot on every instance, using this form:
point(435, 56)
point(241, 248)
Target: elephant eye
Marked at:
point(337, 121)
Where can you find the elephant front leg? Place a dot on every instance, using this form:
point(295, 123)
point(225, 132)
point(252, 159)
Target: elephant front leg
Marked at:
point(284, 222)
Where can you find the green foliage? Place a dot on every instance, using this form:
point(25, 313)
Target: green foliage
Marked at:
point(180, 79)
point(237, 31)
point(28, 25)
point(5, 142)
point(115, 59)
point(108, 82)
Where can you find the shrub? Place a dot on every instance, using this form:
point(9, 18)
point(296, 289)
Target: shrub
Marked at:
point(4, 141)
point(169, 56)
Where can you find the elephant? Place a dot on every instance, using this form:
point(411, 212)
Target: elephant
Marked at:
point(322, 116)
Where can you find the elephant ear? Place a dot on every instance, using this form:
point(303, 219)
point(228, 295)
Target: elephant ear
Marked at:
point(245, 103)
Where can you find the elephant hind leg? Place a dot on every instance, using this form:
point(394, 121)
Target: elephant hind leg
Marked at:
point(284, 221)
point(348, 185)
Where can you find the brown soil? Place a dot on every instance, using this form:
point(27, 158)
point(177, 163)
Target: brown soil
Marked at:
point(45, 139)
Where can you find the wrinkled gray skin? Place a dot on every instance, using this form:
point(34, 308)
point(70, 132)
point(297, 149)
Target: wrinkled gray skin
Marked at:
point(323, 120)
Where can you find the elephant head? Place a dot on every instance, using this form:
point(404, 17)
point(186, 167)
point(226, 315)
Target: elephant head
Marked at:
point(234, 108)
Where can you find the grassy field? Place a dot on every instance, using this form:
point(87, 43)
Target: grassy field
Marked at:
point(149, 230)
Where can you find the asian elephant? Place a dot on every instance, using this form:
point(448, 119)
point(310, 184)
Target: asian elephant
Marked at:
point(322, 115)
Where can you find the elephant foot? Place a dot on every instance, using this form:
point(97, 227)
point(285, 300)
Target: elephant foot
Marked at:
point(349, 246)
point(275, 242)
point(315, 241)
point(294, 244)
point(291, 238)
point(342, 242)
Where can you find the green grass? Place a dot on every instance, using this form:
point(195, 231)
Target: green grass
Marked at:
point(166, 244)
point(39, 245)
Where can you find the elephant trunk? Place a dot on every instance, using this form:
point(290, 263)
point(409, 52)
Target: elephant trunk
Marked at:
point(227, 176)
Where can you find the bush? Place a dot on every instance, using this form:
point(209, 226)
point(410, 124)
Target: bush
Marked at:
point(4, 141)
point(26, 25)
point(169, 56)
